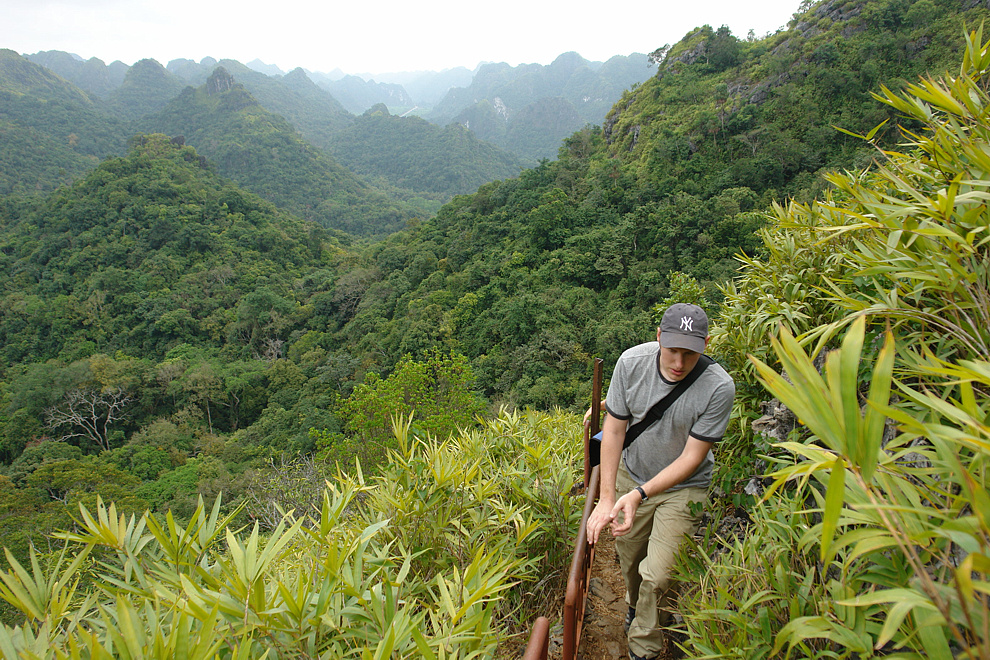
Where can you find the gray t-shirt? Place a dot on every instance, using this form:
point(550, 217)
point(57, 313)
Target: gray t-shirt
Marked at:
point(701, 411)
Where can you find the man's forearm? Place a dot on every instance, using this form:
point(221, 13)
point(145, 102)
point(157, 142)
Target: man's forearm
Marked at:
point(613, 435)
point(680, 470)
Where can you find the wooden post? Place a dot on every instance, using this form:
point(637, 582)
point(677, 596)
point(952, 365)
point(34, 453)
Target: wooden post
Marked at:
point(596, 417)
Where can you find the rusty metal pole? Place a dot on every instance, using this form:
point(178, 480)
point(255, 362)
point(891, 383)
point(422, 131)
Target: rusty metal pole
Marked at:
point(596, 417)
point(579, 577)
point(539, 640)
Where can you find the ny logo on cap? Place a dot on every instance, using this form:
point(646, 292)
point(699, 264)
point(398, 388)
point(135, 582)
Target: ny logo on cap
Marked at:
point(687, 324)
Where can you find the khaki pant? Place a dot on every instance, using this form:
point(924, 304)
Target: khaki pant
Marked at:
point(646, 556)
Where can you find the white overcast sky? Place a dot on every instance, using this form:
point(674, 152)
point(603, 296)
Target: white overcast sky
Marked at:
point(376, 36)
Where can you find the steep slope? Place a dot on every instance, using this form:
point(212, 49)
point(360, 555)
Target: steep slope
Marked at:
point(194, 73)
point(412, 153)
point(311, 110)
point(407, 154)
point(760, 115)
point(52, 131)
point(262, 152)
point(22, 77)
point(531, 277)
point(316, 114)
point(146, 252)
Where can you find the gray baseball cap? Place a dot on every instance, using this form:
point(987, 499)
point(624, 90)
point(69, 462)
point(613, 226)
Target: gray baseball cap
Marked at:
point(684, 326)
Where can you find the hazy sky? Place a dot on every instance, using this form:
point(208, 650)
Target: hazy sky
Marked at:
point(375, 36)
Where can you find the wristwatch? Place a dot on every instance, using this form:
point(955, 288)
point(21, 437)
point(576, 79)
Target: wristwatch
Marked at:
point(642, 493)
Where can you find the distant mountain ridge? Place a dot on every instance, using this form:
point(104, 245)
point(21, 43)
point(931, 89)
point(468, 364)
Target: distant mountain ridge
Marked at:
point(91, 75)
point(401, 166)
point(358, 95)
point(505, 105)
point(412, 153)
point(54, 132)
point(530, 108)
point(51, 132)
point(260, 150)
point(315, 113)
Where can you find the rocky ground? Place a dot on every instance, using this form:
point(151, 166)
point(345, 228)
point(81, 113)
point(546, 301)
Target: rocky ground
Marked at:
point(603, 637)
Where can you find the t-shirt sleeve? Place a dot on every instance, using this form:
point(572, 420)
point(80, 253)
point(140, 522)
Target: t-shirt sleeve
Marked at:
point(711, 426)
point(615, 400)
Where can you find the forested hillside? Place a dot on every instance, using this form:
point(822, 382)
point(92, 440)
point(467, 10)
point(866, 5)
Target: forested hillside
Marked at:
point(57, 132)
point(52, 132)
point(530, 277)
point(312, 111)
point(92, 75)
point(412, 153)
point(147, 88)
point(262, 152)
point(527, 278)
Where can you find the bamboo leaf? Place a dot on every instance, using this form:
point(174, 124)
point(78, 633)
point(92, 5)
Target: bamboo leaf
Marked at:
point(877, 402)
point(847, 393)
point(834, 502)
point(974, 562)
point(934, 642)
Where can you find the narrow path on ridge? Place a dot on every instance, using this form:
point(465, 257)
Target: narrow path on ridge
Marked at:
point(604, 637)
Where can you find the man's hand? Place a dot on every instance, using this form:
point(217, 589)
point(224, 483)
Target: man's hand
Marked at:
point(627, 504)
point(601, 515)
point(587, 415)
point(606, 513)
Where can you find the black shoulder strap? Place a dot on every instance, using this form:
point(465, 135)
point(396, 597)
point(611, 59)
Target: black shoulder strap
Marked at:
point(660, 407)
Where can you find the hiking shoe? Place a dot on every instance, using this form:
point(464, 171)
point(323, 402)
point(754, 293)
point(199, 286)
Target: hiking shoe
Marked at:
point(630, 615)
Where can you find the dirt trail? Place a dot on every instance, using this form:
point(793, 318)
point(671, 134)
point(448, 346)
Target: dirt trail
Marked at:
point(603, 637)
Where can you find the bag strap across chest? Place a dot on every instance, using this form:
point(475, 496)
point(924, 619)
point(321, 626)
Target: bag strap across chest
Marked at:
point(660, 407)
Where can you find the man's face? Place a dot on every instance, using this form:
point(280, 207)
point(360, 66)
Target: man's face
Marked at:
point(676, 363)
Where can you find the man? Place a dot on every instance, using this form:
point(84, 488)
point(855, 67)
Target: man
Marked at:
point(652, 492)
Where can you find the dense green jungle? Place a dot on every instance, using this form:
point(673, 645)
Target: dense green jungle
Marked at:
point(238, 423)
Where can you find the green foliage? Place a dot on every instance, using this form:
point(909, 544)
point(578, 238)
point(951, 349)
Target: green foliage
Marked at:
point(514, 474)
point(146, 88)
point(438, 393)
point(889, 469)
point(313, 112)
point(334, 584)
point(236, 328)
point(411, 153)
point(77, 481)
point(745, 590)
point(174, 233)
point(683, 289)
point(51, 132)
point(678, 179)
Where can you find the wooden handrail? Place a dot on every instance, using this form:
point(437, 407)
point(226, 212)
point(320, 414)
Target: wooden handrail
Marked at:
point(596, 417)
point(579, 576)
